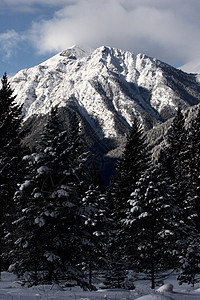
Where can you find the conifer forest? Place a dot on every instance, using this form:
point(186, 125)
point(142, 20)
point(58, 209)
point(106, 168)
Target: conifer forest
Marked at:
point(58, 223)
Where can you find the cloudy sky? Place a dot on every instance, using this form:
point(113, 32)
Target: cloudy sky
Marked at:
point(34, 30)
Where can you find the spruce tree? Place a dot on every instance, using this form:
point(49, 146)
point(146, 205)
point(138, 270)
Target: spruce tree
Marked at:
point(78, 155)
point(190, 267)
point(10, 156)
point(10, 116)
point(194, 167)
point(150, 224)
point(179, 162)
point(52, 211)
point(190, 255)
point(96, 223)
point(26, 246)
point(134, 161)
point(115, 273)
point(175, 156)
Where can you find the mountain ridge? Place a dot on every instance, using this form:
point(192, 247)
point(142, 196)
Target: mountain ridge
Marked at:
point(108, 86)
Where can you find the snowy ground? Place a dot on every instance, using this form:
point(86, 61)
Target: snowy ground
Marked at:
point(10, 289)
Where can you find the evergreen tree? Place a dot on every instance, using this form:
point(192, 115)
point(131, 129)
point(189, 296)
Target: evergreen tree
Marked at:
point(26, 254)
point(52, 213)
point(190, 267)
point(180, 162)
point(175, 157)
point(190, 255)
point(96, 223)
point(134, 161)
point(10, 116)
point(77, 154)
point(151, 224)
point(10, 156)
point(116, 274)
point(194, 168)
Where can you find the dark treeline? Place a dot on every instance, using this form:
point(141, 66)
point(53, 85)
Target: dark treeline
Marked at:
point(57, 224)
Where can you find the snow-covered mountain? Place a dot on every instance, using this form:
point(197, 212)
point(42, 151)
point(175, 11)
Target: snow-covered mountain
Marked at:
point(107, 87)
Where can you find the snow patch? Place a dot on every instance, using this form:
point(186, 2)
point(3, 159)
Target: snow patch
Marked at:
point(25, 185)
point(155, 297)
point(48, 287)
point(191, 67)
point(40, 221)
point(166, 288)
point(43, 170)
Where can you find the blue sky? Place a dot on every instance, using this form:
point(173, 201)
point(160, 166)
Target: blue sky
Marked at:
point(16, 49)
point(33, 30)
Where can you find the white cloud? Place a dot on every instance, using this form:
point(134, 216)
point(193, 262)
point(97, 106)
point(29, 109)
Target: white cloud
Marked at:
point(8, 43)
point(165, 29)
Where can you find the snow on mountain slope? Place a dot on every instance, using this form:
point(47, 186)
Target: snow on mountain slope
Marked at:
point(108, 86)
point(191, 67)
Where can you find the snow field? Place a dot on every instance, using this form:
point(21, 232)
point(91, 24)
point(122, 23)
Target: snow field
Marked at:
point(10, 289)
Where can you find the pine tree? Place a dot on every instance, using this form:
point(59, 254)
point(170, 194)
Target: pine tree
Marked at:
point(190, 255)
point(134, 161)
point(190, 267)
point(179, 162)
point(115, 272)
point(52, 213)
point(95, 226)
point(175, 156)
point(151, 224)
point(10, 116)
point(78, 155)
point(26, 253)
point(10, 156)
point(194, 168)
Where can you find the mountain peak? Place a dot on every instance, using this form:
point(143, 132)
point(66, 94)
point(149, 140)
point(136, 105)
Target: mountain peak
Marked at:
point(76, 52)
point(108, 87)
